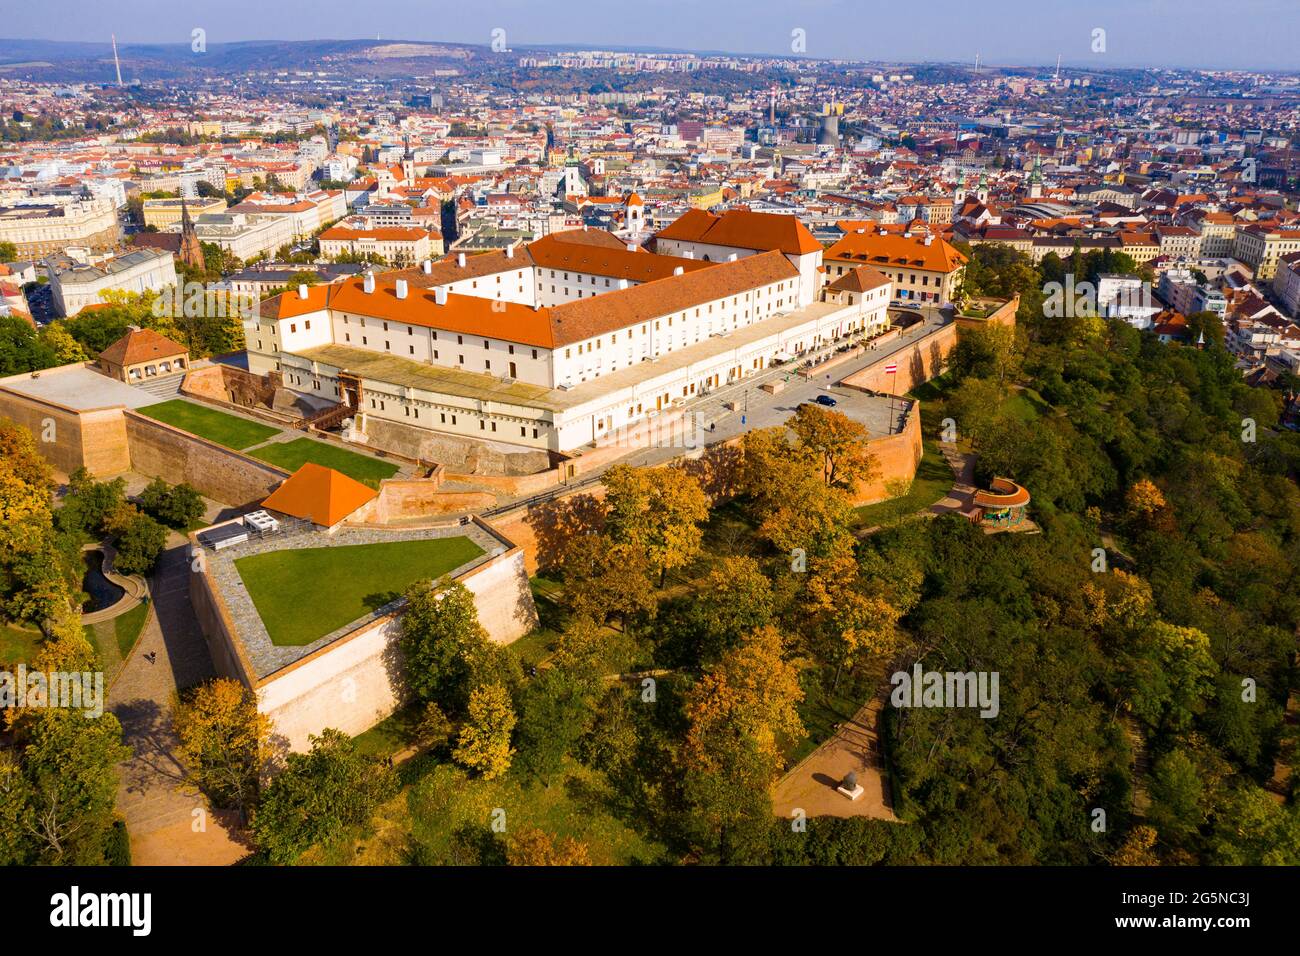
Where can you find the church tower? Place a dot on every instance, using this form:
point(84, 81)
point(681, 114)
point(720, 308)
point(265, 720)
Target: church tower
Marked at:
point(408, 162)
point(634, 213)
point(191, 250)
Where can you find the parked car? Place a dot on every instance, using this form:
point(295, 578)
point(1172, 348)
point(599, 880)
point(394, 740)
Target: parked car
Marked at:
point(825, 400)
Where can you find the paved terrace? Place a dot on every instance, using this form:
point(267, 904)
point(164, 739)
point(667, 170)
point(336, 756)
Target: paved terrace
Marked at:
point(395, 370)
point(267, 657)
point(79, 388)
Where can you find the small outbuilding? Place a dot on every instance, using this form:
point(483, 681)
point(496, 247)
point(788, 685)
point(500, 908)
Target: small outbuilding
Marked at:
point(143, 354)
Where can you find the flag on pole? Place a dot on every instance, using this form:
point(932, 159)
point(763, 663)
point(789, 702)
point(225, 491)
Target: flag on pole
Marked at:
point(891, 368)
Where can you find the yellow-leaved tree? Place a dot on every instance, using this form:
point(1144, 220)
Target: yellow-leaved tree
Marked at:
point(484, 741)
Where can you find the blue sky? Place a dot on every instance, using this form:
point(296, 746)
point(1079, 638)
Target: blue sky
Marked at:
point(1211, 34)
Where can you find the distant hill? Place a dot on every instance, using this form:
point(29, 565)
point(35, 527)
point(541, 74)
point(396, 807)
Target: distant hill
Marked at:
point(65, 61)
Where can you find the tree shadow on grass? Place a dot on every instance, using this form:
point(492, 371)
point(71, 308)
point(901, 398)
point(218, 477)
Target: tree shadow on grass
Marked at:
point(380, 599)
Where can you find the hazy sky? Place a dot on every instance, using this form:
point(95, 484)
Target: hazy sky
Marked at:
point(1193, 33)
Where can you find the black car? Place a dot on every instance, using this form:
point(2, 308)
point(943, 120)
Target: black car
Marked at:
point(825, 400)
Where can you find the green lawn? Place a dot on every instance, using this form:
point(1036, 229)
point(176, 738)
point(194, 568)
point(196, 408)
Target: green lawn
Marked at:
point(1024, 405)
point(17, 644)
point(391, 735)
point(933, 480)
point(302, 594)
point(447, 810)
point(127, 627)
point(215, 426)
point(292, 455)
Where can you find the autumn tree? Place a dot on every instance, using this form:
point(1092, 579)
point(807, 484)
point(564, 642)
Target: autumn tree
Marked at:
point(530, 846)
point(606, 579)
point(752, 693)
point(223, 741)
point(1138, 848)
point(790, 499)
point(839, 442)
point(658, 511)
point(852, 621)
point(739, 714)
point(484, 741)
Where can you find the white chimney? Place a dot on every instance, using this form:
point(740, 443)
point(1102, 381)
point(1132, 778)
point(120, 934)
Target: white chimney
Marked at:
point(369, 283)
point(678, 270)
point(537, 307)
point(510, 252)
point(427, 265)
point(632, 247)
point(907, 234)
point(688, 254)
point(440, 295)
point(929, 239)
point(401, 288)
point(622, 283)
point(302, 291)
point(460, 259)
point(731, 258)
point(861, 231)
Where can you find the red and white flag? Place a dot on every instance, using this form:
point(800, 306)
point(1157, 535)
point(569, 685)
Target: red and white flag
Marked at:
point(891, 369)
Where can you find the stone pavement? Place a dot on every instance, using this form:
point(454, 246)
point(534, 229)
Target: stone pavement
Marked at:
point(158, 807)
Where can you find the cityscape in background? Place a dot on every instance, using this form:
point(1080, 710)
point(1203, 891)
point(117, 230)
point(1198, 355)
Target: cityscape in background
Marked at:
point(477, 454)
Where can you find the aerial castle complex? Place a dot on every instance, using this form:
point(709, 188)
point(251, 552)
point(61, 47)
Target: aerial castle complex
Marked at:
point(568, 340)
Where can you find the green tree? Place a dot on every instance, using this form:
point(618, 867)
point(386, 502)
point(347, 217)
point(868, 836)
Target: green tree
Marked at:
point(554, 716)
point(59, 793)
point(319, 795)
point(447, 652)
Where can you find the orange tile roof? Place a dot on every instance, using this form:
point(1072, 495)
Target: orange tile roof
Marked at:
point(320, 494)
point(551, 327)
point(387, 233)
point(861, 279)
point(743, 229)
point(141, 345)
point(893, 250)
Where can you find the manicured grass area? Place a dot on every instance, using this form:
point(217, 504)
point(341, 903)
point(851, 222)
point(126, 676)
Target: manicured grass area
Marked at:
point(445, 818)
point(127, 627)
point(1024, 405)
point(933, 390)
point(215, 426)
point(933, 480)
point(303, 594)
point(17, 644)
point(391, 735)
point(292, 455)
point(534, 647)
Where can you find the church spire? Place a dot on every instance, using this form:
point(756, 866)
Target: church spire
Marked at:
point(191, 250)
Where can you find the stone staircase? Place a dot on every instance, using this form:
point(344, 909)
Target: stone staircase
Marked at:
point(163, 387)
